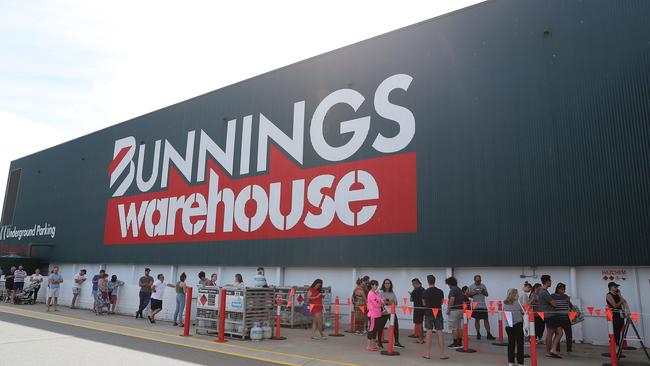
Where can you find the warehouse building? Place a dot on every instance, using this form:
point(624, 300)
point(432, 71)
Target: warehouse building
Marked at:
point(508, 139)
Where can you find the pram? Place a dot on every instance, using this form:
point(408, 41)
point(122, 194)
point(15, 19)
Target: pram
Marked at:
point(3, 292)
point(26, 295)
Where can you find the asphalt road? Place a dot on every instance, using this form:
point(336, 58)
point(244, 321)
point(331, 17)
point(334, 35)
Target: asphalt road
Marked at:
point(29, 341)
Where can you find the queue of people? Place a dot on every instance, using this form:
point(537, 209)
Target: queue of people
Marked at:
point(371, 301)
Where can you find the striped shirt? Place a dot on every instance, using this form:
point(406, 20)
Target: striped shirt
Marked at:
point(561, 303)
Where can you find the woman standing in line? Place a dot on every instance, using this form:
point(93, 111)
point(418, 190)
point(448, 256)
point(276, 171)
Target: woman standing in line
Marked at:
point(615, 302)
point(37, 280)
point(359, 301)
point(114, 287)
point(103, 297)
point(315, 295)
point(563, 302)
point(377, 321)
point(239, 282)
point(515, 330)
point(181, 289)
point(540, 325)
point(213, 280)
point(389, 298)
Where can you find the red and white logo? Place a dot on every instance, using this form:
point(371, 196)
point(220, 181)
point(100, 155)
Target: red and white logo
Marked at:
point(281, 198)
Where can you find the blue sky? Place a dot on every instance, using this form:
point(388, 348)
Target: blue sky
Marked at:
point(68, 68)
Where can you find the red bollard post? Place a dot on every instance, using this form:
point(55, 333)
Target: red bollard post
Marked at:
point(612, 339)
point(465, 348)
point(533, 338)
point(336, 319)
point(188, 312)
point(351, 318)
point(278, 319)
point(391, 335)
point(222, 316)
point(500, 317)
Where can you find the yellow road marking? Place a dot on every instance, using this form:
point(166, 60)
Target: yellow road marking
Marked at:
point(154, 339)
point(260, 350)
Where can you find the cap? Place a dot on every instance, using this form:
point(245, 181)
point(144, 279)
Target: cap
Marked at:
point(612, 284)
point(560, 285)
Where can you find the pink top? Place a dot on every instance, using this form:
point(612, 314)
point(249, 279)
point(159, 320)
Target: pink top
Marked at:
point(374, 304)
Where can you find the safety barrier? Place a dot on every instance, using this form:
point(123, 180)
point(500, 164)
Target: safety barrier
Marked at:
point(612, 338)
point(336, 319)
point(500, 322)
point(188, 312)
point(221, 338)
point(533, 338)
point(391, 335)
point(278, 320)
point(467, 314)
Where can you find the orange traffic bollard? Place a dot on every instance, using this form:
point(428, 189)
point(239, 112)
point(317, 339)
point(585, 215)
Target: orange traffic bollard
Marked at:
point(466, 348)
point(278, 319)
point(500, 317)
point(391, 335)
point(533, 338)
point(222, 316)
point(188, 312)
point(336, 319)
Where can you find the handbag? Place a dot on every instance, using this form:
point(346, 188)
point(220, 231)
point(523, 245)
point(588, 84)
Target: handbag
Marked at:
point(579, 318)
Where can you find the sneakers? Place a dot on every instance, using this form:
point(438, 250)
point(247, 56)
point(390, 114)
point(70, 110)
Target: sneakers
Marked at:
point(456, 345)
point(490, 337)
point(398, 345)
point(478, 336)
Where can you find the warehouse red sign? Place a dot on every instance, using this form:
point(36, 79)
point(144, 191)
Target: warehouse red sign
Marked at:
point(282, 199)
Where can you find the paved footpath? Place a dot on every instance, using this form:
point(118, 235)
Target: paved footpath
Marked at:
point(31, 336)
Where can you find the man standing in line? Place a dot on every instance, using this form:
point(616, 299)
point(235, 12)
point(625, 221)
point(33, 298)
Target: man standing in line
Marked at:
point(157, 293)
point(432, 299)
point(53, 285)
point(96, 287)
point(145, 283)
point(259, 280)
point(455, 312)
point(9, 284)
point(418, 311)
point(19, 281)
point(553, 330)
point(79, 280)
point(478, 292)
point(203, 281)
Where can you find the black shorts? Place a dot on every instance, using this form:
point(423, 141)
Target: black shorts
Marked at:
point(431, 324)
point(18, 286)
point(552, 322)
point(418, 316)
point(156, 304)
point(480, 314)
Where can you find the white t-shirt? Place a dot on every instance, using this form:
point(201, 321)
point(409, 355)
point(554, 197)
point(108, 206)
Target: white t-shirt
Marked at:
point(76, 278)
point(37, 278)
point(160, 290)
point(259, 280)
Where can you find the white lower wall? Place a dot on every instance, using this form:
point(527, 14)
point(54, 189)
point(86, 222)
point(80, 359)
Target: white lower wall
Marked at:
point(586, 287)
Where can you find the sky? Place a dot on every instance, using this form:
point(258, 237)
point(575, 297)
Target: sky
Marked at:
point(68, 68)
